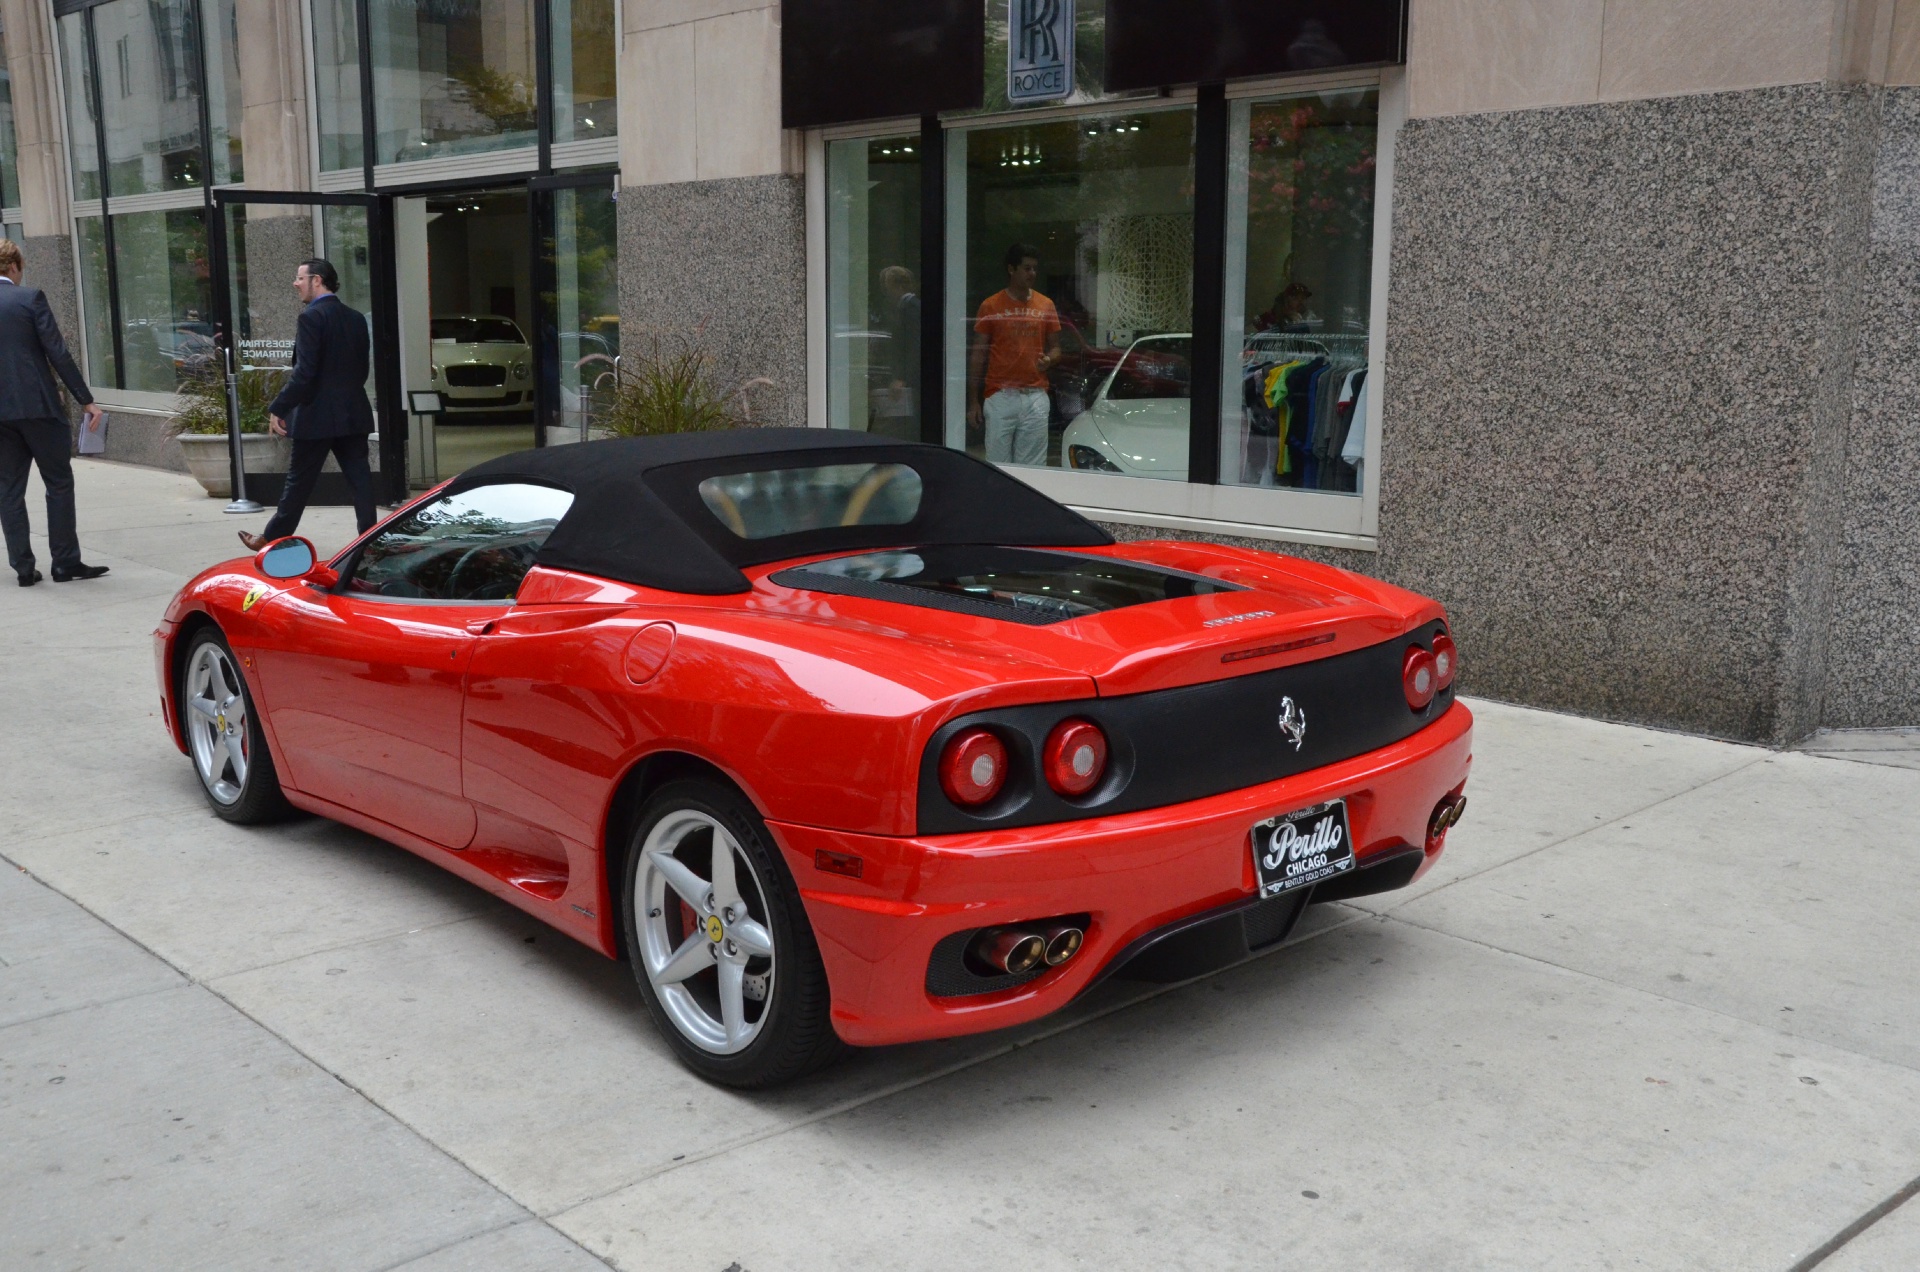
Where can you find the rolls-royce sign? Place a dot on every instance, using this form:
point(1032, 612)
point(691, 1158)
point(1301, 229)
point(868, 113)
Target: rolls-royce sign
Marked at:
point(1039, 50)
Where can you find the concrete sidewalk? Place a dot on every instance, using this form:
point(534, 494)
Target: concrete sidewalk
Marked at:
point(1656, 1008)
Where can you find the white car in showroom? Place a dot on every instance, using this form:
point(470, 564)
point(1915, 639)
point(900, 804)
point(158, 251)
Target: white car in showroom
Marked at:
point(483, 368)
point(1137, 421)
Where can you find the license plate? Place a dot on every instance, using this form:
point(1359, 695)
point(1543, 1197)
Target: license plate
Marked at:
point(1300, 849)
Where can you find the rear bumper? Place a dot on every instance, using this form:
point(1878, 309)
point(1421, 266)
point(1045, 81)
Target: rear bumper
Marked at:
point(1134, 874)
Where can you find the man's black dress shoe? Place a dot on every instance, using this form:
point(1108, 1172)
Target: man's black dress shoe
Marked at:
point(29, 578)
point(78, 572)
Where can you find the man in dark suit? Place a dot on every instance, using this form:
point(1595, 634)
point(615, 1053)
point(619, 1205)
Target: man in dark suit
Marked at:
point(33, 425)
point(323, 406)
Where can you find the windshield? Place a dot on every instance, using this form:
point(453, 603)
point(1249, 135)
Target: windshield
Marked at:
point(1156, 367)
point(1021, 584)
point(477, 331)
point(782, 501)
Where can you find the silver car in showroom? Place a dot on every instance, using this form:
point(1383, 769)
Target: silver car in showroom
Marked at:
point(483, 368)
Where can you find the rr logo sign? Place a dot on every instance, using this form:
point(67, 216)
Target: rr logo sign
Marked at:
point(1039, 50)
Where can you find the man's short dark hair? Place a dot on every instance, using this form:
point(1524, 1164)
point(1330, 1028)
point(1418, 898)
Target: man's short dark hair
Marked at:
point(1021, 252)
point(324, 271)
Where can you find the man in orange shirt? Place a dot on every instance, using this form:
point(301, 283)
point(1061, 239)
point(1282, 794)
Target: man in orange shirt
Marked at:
point(1016, 342)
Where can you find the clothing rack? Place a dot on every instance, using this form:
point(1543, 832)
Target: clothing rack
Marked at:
point(1300, 398)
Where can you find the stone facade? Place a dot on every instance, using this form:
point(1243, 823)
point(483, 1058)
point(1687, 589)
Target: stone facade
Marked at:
point(1872, 678)
point(1620, 350)
point(722, 264)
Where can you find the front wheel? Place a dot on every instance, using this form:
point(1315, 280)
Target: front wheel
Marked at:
point(720, 943)
point(224, 736)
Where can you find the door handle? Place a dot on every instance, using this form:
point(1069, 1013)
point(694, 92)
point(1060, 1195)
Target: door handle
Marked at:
point(480, 626)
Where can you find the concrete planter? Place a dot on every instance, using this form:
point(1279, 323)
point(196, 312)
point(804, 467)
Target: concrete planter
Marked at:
point(206, 455)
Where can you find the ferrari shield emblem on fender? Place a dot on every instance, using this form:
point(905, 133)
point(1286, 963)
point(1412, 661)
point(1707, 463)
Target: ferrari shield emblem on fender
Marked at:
point(252, 598)
point(1293, 723)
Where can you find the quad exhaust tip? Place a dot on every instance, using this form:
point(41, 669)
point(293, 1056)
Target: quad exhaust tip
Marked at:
point(1015, 951)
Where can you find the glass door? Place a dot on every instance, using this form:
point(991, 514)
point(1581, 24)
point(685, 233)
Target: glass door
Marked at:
point(262, 239)
point(577, 286)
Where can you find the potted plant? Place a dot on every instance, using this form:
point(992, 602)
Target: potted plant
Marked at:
point(670, 387)
point(200, 426)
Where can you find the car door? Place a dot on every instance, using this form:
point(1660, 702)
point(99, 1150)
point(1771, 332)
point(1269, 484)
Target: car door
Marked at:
point(366, 692)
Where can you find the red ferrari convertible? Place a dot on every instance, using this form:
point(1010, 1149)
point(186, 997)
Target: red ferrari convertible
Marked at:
point(836, 740)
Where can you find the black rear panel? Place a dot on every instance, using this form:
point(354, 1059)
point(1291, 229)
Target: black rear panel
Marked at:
point(1174, 745)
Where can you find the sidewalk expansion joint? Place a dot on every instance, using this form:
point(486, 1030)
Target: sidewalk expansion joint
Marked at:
point(1858, 1226)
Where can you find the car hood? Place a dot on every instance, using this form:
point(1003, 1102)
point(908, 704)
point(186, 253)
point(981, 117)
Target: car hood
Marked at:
point(483, 354)
point(1147, 436)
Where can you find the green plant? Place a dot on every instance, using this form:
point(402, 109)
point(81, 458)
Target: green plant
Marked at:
point(662, 388)
point(203, 401)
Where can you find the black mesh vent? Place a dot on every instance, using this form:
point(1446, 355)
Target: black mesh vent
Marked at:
point(1270, 922)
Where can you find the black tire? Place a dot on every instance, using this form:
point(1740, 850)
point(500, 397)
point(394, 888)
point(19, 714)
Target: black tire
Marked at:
point(793, 1030)
point(248, 798)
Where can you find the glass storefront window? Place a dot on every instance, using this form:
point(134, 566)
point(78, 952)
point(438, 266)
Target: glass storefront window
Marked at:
point(91, 239)
point(452, 78)
point(1071, 292)
point(1300, 212)
point(585, 305)
point(9, 146)
point(223, 89)
point(585, 48)
point(336, 75)
point(166, 310)
point(149, 94)
point(77, 74)
point(873, 285)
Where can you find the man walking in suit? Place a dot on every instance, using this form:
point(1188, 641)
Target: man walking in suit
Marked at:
point(323, 406)
point(33, 426)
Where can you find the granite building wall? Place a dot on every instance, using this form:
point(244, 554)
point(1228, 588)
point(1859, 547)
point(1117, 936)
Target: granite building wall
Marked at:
point(722, 264)
point(1873, 679)
point(1620, 354)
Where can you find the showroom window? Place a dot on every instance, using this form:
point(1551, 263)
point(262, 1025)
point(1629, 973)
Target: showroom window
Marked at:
point(873, 285)
point(1297, 333)
point(138, 93)
point(1167, 312)
point(455, 81)
point(1068, 334)
point(452, 79)
point(9, 144)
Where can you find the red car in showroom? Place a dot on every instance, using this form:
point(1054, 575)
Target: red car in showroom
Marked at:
point(837, 740)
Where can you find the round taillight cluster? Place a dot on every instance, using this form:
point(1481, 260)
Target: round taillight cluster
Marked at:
point(1425, 672)
point(1446, 660)
point(1075, 758)
point(973, 768)
point(1419, 676)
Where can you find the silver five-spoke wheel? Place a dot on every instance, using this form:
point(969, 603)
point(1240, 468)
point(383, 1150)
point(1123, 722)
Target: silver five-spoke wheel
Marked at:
point(216, 720)
point(704, 941)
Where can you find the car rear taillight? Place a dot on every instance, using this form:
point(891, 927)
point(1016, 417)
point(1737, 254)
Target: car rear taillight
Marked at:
point(1075, 758)
point(1419, 677)
point(1446, 661)
point(973, 768)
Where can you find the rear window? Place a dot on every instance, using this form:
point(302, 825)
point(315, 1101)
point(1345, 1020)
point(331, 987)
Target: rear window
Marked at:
point(477, 331)
point(1023, 585)
point(781, 501)
point(1160, 367)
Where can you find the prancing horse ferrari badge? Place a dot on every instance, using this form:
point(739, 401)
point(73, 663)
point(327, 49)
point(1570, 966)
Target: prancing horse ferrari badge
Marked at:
point(1293, 723)
point(252, 598)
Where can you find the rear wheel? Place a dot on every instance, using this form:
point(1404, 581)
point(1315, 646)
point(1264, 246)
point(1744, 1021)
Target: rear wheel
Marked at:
point(719, 941)
point(224, 737)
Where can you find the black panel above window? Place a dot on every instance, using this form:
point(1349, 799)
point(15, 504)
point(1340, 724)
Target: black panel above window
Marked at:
point(848, 60)
point(1153, 43)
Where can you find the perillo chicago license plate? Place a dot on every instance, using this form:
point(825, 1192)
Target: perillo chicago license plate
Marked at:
point(1299, 849)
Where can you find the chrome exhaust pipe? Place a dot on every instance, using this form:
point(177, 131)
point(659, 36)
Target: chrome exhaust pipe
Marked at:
point(1062, 944)
point(1458, 811)
point(1010, 950)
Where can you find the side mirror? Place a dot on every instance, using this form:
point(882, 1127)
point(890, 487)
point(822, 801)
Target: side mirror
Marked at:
point(293, 559)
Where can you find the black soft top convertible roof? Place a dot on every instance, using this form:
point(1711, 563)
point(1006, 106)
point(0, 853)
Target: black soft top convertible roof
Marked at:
point(637, 515)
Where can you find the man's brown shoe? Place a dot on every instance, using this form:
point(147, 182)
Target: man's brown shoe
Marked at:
point(254, 542)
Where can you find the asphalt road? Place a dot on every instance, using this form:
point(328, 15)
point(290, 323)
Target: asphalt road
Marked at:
point(1658, 1007)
